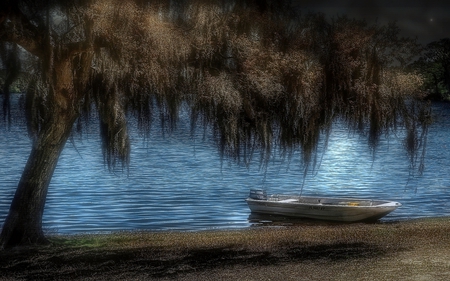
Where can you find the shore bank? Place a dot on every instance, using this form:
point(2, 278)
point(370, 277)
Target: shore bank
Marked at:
point(408, 250)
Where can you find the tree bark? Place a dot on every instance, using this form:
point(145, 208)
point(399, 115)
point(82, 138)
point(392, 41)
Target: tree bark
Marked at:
point(23, 224)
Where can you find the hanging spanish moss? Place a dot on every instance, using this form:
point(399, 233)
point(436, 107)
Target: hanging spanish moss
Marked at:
point(263, 76)
point(9, 58)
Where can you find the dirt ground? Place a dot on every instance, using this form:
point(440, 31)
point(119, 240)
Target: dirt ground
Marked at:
point(410, 250)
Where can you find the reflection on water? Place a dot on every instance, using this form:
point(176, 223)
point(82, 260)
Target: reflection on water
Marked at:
point(178, 183)
point(276, 220)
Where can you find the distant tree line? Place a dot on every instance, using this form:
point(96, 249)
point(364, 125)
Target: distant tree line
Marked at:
point(434, 66)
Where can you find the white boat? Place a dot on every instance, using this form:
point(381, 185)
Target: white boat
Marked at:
point(320, 208)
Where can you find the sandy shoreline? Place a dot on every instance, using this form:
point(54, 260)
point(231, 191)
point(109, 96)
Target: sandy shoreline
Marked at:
point(408, 250)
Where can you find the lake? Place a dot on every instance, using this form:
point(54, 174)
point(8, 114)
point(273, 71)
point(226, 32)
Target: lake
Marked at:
point(177, 181)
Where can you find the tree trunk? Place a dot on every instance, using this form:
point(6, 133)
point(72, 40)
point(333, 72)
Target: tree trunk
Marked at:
point(23, 224)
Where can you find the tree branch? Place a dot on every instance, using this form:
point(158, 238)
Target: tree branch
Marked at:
point(15, 27)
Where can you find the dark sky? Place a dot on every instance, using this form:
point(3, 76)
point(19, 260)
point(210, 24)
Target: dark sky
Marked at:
point(428, 20)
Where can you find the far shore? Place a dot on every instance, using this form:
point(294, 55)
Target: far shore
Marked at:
point(405, 250)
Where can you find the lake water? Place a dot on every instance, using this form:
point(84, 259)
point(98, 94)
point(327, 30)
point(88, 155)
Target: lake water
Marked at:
point(177, 182)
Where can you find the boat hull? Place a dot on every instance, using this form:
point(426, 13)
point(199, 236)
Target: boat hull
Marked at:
point(320, 208)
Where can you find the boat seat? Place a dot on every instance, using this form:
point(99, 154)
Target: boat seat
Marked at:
point(288, 200)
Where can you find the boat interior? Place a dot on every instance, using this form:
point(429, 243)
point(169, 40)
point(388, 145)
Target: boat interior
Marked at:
point(260, 195)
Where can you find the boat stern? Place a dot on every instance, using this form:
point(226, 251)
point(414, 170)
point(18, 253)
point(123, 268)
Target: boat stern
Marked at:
point(257, 194)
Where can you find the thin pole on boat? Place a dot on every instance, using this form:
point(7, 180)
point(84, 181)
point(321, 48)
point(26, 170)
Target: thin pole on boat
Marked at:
point(305, 172)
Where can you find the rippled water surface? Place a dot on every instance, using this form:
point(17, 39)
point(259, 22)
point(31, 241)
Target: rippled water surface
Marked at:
point(176, 182)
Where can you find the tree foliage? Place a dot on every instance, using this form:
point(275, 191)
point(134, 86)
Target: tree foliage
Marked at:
point(259, 73)
point(434, 65)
